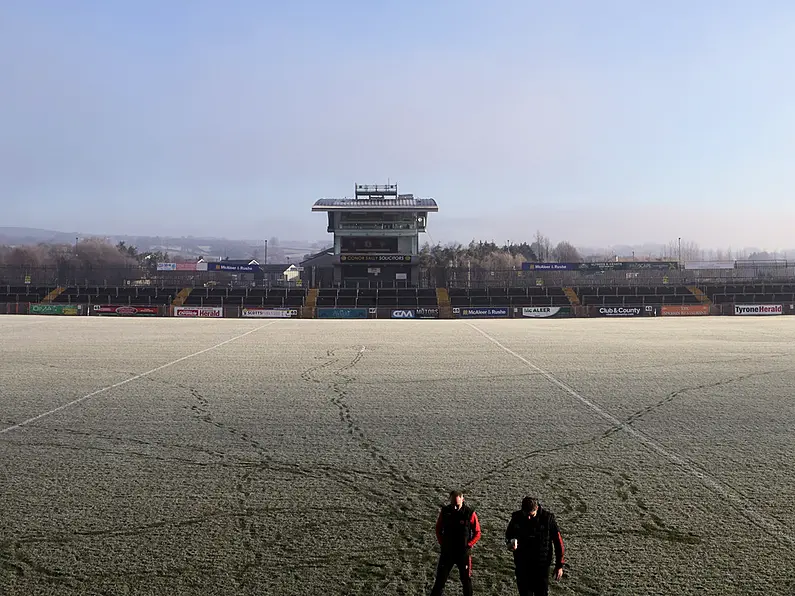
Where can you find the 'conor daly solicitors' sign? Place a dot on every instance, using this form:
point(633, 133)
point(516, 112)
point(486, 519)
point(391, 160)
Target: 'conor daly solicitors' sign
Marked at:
point(758, 309)
point(125, 310)
point(619, 311)
point(203, 312)
point(361, 258)
point(472, 313)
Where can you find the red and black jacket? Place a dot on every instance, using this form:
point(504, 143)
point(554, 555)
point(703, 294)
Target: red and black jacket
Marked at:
point(536, 536)
point(457, 530)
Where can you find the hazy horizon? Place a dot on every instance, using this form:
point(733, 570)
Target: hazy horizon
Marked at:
point(608, 124)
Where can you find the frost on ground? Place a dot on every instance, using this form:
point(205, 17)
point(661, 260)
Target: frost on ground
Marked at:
point(310, 457)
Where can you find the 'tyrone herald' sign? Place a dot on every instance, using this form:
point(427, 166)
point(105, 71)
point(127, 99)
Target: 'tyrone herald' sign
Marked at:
point(203, 312)
point(758, 309)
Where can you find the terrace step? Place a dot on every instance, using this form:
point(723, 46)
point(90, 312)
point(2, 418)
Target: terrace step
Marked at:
point(311, 298)
point(443, 299)
point(181, 296)
point(572, 296)
point(53, 295)
point(701, 296)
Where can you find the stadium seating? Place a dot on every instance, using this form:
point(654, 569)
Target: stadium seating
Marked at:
point(512, 297)
point(763, 293)
point(635, 296)
point(376, 298)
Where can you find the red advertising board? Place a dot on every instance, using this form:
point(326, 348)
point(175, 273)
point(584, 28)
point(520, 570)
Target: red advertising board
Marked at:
point(186, 266)
point(688, 310)
point(125, 310)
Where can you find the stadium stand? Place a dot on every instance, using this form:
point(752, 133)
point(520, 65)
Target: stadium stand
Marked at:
point(391, 297)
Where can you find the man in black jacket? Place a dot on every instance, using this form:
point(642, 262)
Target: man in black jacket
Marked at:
point(457, 531)
point(532, 534)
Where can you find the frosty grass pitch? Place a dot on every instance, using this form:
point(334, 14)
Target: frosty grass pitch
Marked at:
point(310, 457)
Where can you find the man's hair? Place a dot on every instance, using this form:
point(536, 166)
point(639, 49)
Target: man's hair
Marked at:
point(456, 493)
point(529, 504)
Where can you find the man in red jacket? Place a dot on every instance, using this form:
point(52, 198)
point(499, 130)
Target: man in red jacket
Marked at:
point(457, 531)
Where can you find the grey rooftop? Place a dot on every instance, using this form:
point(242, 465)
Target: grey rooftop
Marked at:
point(401, 203)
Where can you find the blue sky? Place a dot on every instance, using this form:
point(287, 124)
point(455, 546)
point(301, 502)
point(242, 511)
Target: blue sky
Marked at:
point(602, 123)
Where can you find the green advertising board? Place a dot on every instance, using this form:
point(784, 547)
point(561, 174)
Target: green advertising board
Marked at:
point(53, 309)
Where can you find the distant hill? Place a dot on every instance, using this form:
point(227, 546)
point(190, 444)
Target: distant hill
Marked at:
point(294, 250)
point(25, 236)
point(185, 246)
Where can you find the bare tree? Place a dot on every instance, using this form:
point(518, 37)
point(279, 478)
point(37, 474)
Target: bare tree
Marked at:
point(565, 252)
point(542, 246)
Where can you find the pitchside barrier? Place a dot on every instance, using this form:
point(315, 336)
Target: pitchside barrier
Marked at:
point(470, 313)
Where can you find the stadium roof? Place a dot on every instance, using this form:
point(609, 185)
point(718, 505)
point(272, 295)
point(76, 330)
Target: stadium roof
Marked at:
point(402, 203)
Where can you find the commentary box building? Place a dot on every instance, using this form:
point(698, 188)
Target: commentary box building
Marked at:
point(376, 235)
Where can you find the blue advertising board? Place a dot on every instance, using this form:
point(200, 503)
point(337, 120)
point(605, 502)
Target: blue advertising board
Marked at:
point(549, 266)
point(604, 266)
point(342, 313)
point(473, 313)
point(238, 268)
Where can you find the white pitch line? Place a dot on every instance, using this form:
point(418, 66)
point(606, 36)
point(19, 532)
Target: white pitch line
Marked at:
point(771, 527)
point(74, 402)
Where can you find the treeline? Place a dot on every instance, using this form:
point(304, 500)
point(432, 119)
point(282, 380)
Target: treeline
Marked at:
point(87, 255)
point(491, 256)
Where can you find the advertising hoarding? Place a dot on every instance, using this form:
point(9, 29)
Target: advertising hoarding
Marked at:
point(485, 313)
point(617, 311)
point(688, 310)
point(543, 312)
point(233, 268)
point(55, 309)
point(268, 313)
point(125, 310)
point(202, 312)
point(758, 309)
point(342, 313)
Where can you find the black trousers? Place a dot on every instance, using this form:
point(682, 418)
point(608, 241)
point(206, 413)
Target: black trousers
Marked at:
point(532, 581)
point(462, 560)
